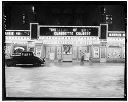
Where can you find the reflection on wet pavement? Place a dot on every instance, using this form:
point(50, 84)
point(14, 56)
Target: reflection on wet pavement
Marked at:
point(66, 80)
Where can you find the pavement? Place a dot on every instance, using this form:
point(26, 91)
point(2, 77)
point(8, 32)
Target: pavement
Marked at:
point(70, 80)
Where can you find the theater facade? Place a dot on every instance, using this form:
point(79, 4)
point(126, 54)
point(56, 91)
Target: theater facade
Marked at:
point(67, 43)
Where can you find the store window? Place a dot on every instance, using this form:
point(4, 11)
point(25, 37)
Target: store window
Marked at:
point(114, 52)
point(96, 52)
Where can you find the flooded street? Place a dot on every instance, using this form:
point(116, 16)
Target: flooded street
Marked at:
point(105, 80)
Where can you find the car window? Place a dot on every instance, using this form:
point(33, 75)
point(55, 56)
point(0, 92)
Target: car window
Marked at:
point(27, 54)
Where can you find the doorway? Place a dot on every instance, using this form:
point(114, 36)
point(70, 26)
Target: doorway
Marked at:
point(102, 54)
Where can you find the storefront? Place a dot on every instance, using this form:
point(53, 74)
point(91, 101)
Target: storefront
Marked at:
point(65, 52)
point(67, 43)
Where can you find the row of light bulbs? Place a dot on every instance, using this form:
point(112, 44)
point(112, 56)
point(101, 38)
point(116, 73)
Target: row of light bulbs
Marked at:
point(70, 42)
point(118, 34)
point(69, 38)
point(17, 37)
point(116, 39)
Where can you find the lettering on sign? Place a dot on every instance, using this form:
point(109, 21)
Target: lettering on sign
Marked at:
point(69, 31)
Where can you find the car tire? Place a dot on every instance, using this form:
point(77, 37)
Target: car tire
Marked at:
point(39, 65)
point(14, 64)
point(36, 64)
point(9, 64)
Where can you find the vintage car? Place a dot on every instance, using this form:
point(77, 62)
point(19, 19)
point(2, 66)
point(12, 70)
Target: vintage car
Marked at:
point(25, 59)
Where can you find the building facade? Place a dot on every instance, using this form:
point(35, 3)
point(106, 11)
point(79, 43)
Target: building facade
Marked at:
point(67, 43)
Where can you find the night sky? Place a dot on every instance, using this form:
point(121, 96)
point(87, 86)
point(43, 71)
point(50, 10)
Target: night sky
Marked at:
point(63, 13)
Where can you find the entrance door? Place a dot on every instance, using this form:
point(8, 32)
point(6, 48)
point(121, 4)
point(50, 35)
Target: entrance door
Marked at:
point(103, 54)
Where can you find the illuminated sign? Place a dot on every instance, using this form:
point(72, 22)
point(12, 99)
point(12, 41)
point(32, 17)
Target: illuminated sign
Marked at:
point(116, 33)
point(17, 33)
point(69, 31)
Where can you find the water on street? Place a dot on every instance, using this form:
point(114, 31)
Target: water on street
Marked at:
point(97, 80)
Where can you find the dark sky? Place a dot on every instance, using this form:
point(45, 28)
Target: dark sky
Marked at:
point(63, 13)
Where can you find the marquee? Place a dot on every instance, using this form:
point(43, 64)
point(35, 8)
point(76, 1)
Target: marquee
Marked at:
point(69, 30)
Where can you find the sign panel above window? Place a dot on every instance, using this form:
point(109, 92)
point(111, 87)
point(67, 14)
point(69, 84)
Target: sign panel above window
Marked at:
point(17, 33)
point(69, 31)
point(116, 34)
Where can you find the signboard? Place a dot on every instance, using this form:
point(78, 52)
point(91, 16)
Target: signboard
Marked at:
point(96, 52)
point(116, 35)
point(69, 31)
point(17, 33)
point(34, 31)
point(103, 31)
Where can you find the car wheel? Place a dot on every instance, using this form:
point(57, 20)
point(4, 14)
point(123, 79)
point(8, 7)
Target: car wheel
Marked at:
point(36, 64)
point(39, 64)
point(14, 65)
point(9, 64)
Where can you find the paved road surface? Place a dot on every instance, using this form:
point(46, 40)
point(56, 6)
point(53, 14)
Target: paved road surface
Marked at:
point(66, 80)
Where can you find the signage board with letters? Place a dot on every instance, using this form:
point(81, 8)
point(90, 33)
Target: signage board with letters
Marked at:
point(69, 31)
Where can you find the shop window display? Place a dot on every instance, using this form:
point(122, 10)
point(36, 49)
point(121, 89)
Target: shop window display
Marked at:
point(96, 52)
point(114, 52)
